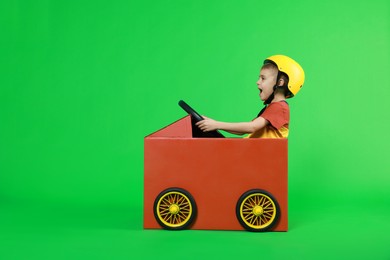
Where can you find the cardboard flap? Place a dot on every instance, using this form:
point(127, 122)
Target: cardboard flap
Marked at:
point(179, 129)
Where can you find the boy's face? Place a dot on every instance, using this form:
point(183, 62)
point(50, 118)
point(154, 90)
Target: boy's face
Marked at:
point(266, 82)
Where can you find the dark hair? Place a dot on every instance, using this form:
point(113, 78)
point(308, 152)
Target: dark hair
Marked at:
point(287, 92)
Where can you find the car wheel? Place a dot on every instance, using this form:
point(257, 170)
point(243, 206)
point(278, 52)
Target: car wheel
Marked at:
point(257, 210)
point(174, 209)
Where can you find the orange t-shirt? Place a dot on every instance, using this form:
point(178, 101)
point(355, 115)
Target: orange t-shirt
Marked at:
point(278, 116)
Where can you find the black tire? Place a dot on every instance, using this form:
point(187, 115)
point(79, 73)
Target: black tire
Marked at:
point(257, 210)
point(175, 209)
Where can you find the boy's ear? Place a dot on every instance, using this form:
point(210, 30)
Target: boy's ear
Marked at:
point(281, 82)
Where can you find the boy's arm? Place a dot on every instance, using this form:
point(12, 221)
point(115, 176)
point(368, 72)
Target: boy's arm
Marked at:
point(209, 124)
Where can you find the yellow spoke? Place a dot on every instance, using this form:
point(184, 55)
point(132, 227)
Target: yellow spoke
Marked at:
point(165, 201)
point(255, 220)
point(249, 217)
point(164, 207)
point(253, 199)
point(248, 204)
point(185, 206)
point(162, 210)
point(261, 200)
point(164, 214)
point(185, 209)
point(177, 220)
point(266, 204)
point(267, 217)
point(247, 208)
point(169, 199)
point(180, 198)
point(167, 217)
point(182, 203)
point(182, 216)
point(259, 220)
point(265, 220)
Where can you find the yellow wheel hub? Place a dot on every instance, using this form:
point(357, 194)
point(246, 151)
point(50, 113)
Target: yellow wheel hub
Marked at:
point(174, 209)
point(258, 211)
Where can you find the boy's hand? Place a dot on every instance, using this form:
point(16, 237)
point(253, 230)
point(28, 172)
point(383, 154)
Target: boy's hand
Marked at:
point(207, 124)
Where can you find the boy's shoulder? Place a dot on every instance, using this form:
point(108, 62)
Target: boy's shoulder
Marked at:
point(278, 104)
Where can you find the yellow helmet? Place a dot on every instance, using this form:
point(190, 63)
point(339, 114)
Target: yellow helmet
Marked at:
point(295, 73)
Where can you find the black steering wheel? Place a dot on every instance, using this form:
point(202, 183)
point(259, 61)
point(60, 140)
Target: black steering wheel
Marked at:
point(195, 117)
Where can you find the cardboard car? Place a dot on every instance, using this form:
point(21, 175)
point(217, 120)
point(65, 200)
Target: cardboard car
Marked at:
point(208, 183)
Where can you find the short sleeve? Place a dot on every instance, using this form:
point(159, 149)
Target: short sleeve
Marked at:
point(277, 114)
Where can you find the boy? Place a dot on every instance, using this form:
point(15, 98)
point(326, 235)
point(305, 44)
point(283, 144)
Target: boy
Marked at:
point(280, 78)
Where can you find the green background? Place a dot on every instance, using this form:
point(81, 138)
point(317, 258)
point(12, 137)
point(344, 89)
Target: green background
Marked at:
point(82, 82)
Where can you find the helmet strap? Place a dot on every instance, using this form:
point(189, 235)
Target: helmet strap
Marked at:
point(270, 98)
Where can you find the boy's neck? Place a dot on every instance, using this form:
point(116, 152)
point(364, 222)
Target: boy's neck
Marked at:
point(278, 97)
